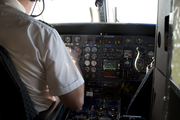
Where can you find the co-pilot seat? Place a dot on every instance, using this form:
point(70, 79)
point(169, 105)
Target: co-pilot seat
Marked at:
point(15, 102)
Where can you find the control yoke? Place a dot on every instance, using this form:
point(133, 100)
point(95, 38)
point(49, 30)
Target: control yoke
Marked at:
point(139, 63)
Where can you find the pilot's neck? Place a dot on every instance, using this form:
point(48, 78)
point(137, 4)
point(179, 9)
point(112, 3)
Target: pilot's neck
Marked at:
point(27, 5)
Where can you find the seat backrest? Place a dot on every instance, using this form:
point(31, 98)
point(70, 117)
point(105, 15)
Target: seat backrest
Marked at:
point(141, 101)
point(15, 102)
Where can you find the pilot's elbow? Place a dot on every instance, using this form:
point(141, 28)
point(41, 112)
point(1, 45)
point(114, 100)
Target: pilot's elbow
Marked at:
point(81, 103)
point(78, 105)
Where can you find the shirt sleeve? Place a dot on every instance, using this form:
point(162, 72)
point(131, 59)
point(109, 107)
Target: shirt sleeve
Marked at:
point(62, 75)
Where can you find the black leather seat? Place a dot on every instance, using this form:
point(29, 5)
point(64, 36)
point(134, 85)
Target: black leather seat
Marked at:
point(15, 102)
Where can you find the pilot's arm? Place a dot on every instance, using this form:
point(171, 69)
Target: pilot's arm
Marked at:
point(63, 77)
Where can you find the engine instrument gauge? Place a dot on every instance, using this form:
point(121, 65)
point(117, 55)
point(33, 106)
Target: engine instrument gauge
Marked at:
point(87, 69)
point(118, 50)
point(93, 76)
point(87, 62)
point(87, 49)
point(139, 41)
point(128, 40)
point(87, 56)
point(67, 39)
point(111, 50)
point(104, 50)
point(94, 49)
point(77, 39)
point(93, 63)
point(93, 69)
point(94, 56)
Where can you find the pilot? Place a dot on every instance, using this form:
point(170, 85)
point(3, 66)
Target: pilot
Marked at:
point(40, 57)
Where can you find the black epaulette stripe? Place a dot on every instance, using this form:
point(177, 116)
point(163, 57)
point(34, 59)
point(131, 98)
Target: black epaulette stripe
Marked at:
point(46, 23)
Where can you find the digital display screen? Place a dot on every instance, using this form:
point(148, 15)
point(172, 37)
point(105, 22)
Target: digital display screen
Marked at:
point(109, 64)
point(127, 53)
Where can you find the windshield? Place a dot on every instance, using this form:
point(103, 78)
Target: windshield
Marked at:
point(85, 11)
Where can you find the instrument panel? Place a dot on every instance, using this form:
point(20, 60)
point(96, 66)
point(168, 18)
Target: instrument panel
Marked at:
point(113, 60)
point(107, 63)
point(106, 60)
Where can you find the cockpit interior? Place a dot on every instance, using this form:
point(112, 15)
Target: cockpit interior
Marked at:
point(113, 64)
point(126, 51)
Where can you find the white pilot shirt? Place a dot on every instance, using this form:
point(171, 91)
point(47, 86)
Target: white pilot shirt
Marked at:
point(38, 54)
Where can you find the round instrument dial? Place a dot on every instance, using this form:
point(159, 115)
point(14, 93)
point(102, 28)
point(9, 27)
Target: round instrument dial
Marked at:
point(127, 63)
point(94, 49)
point(87, 56)
point(94, 56)
point(93, 63)
point(67, 39)
point(139, 40)
point(77, 39)
point(87, 62)
point(87, 69)
point(93, 69)
point(111, 50)
point(93, 76)
point(118, 50)
point(87, 76)
point(128, 40)
point(104, 50)
point(87, 49)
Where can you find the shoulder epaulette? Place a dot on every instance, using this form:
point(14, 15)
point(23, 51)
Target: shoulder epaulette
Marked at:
point(46, 23)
